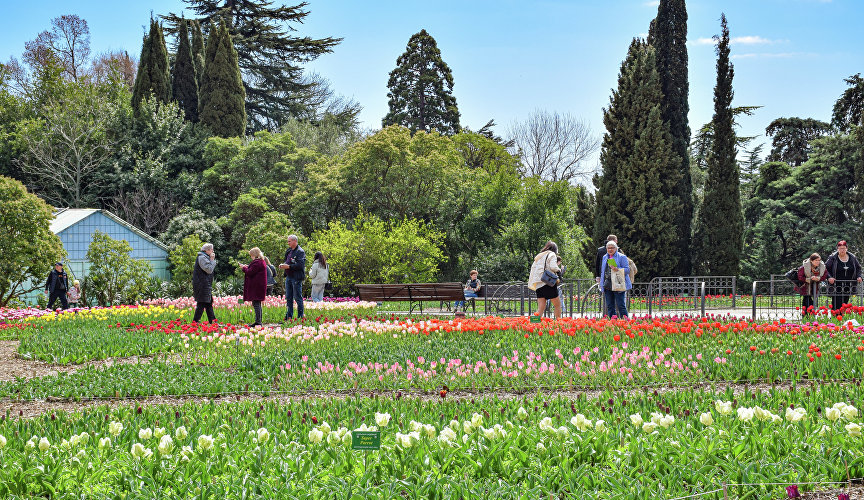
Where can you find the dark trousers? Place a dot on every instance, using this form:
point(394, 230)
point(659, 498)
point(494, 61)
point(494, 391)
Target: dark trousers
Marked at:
point(200, 307)
point(256, 305)
point(806, 303)
point(293, 293)
point(58, 294)
point(615, 300)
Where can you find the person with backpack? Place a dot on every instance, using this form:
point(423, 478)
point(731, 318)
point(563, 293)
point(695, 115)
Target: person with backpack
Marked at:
point(271, 275)
point(544, 278)
point(56, 286)
point(319, 275)
point(844, 274)
point(810, 274)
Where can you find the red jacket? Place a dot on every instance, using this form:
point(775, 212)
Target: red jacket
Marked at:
point(255, 283)
point(804, 288)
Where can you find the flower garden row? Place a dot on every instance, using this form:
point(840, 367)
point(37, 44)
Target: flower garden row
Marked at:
point(334, 352)
point(640, 446)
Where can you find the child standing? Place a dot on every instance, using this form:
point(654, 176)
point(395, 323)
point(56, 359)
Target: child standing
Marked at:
point(74, 294)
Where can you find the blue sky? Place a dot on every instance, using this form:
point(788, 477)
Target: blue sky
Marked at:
point(509, 58)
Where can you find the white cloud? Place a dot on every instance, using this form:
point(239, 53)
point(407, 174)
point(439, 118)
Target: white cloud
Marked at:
point(655, 3)
point(774, 55)
point(738, 40)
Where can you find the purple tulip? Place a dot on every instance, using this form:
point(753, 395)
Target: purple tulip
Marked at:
point(843, 496)
point(792, 492)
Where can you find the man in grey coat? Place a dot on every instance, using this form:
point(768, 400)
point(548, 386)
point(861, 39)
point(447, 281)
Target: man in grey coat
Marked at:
point(202, 282)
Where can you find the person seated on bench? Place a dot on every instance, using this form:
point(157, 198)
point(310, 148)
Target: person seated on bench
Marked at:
point(472, 288)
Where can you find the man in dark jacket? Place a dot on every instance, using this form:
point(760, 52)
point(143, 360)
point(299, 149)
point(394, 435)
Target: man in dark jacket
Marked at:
point(598, 259)
point(295, 272)
point(56, 286)
point(202, 282)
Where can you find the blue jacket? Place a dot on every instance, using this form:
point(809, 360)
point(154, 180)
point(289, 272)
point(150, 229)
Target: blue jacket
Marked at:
point(622, 263)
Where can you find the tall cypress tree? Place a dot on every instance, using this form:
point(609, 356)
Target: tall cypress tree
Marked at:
point(153, 79)
point(184, 86)
point(197, 50)
point(636, 197)
point(222, 94)
point(668, 36)
point(421, 89)
point(720, 224)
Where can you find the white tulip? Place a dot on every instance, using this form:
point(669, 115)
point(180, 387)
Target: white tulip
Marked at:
point(104, 443)
point(600, 426)
point(853, 429)
point(429, 430)
point(145, 434)
point(522, 413)
point(415, 426)
point(205, 442)
point(745, 414)
point(580, 422)
point(138, 451)
point(166, 445)
point(382, 419)
point(315, 436)
point(115, 428)
point(707, 419)
point(325, 428)
point(159, 432)
point(181, 434)
point(2, 441)
point(263, 435)
point(723, 407)
point(44, 444)
point(649, 427)
point(850, 412)
point(636, 419)
point(832, 414)
point(476, 420)
point(666, 421)
point(447, 436)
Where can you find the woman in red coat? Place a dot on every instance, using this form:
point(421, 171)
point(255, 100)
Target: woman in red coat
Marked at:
point(255, 283)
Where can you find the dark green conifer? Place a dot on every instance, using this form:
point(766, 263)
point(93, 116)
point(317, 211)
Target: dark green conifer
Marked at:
point(197, 50)
point(222, 95)
point(636, 197)
point(720, 223)
point(668, 36)
point(153, 80)
point(184, 85)
point(421, 89)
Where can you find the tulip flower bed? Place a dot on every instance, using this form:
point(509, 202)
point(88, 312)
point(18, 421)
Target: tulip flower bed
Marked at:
point(509, 354)
point(615, 445)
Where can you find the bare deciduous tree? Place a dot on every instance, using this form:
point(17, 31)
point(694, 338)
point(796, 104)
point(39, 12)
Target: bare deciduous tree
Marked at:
point(149, 209)
point(111, 65)
point(554, 146)
point(67, 146)
point(68, 42)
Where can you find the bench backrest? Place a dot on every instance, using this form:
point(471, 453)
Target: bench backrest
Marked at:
point(410, 291)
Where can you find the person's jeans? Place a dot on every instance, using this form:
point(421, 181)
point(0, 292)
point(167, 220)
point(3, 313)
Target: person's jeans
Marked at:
point(468, 295)
point(58, 294)
point(318, 292)
point(256, 305)
point(200, 307)
point(293, 293)
point(613, 300)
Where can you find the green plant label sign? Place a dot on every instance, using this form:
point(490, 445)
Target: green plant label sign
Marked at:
point(366, 440)
point(536, 319)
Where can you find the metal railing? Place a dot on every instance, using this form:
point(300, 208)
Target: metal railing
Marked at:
point(774, 299)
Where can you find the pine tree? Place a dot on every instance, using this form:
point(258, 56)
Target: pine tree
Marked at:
point(668, 36)
point(184, 85)
point(222, 94)
point(421, 89)
point(270, 56)
point(720, 224)
point(197, 50)
point(636, 197)
point(153, 80)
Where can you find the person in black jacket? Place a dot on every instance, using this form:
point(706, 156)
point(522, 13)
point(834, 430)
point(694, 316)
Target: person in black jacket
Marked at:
point(202, 283)
point(56, 286)
point(601, 251)
point(295, 272)
point(844, 274)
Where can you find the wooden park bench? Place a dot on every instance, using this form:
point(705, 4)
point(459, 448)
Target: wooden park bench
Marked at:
point(413, 293)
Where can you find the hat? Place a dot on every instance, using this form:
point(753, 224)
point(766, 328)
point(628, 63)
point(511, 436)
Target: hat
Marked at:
point(58, 264)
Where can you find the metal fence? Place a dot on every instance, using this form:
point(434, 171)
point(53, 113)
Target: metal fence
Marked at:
point(670, 296)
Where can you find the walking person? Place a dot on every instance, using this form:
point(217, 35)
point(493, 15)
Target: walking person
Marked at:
point(271, 276)
point(811, 272)
point(202, 283)
point(255, 283)
point(56, 286)
point(614, 262)
point(295, 272)
point(74, 294)
point(319, 275)
point(598, 259)
point(844, 274)
point(545, 284)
